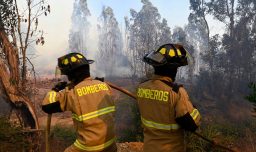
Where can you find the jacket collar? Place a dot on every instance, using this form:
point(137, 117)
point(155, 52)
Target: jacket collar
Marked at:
point(159, 77)
point(88, 78)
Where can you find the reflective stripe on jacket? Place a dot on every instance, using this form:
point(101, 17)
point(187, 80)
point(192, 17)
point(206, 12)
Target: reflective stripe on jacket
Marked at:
point(152, 124)
point(159, 106)
point(52, 96)
point(92, 107)
point(94, 148)
point(93, 114)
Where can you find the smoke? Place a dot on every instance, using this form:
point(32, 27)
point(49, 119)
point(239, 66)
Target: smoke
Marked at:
point(86, 38)
point(80, 27)
point(87, 42)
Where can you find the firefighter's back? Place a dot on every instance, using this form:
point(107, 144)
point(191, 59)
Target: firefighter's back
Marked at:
point(93, 115)
point(156, 103)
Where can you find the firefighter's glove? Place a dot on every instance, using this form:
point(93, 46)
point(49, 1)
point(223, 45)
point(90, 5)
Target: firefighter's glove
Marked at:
point(100, 79)
point(59, 86)
point(186, 122)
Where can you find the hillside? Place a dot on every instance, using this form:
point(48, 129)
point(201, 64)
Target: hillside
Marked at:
point(227, 124)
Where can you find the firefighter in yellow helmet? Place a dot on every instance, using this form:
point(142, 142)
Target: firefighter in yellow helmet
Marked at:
point(166, 111)
point(90, 102)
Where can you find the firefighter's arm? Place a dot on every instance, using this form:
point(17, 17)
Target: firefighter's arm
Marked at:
point(56, 101)
point(187, 116)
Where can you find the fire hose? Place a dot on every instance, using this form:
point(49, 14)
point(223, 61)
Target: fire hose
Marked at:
point(48, 126)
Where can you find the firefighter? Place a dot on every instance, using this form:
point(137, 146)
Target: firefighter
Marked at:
point(166, 111)
point(90, 102)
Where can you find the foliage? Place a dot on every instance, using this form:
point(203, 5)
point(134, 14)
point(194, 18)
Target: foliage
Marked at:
point(252, 96)
point(128, 123)
point(222, 134)
point(19, 22)
point(66, 134)
point(8, 18)
point(130, 136)
point(11, 136)
point(228, 62)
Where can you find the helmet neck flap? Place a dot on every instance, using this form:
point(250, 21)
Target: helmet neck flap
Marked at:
point(79, 74)
point(165, 70)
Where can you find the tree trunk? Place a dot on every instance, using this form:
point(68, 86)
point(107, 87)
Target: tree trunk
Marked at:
point(12, 58)
point(10, 78)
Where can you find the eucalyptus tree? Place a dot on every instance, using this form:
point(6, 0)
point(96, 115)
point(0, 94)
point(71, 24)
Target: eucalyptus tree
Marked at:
point(237, 42)
point(231, 56)
point(80, 27)
point(243, 49)
point(146, 32)
point(198, 31)
point(110, 56)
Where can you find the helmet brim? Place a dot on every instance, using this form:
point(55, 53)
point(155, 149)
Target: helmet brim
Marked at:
point(154, 59)
point(90, 61)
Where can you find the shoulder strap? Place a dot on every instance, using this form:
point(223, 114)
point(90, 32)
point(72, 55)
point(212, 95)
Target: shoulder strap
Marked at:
point(175, 87)
point(144, 81)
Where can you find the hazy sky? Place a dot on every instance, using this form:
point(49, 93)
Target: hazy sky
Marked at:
point(58, 23)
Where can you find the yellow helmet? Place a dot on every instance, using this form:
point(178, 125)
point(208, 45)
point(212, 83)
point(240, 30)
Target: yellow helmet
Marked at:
point(72, 61)
point(168, 54)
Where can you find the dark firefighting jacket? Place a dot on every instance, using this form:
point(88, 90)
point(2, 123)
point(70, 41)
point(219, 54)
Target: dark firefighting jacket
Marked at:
point(161, 105)
point(92, 108)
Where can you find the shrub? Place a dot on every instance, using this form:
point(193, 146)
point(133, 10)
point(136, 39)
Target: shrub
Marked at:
point(222, 134)
point(12, 137)
point(66, 134)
